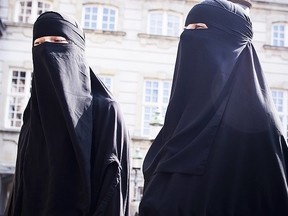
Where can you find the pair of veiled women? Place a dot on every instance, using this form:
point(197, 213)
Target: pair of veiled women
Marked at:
point(221, 151)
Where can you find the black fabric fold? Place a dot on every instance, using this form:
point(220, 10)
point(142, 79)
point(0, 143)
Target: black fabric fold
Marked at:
point(221, 151)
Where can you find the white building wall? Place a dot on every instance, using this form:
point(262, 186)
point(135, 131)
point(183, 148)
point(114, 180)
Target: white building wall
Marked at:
point(129, 56)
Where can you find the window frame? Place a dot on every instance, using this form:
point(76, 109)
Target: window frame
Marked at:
point(165, 18)
point(276, 41)
point(25, 95)
point(160, 103)
point(104, 79)
point(99, 19)
point(283, 114)
point(30, 18)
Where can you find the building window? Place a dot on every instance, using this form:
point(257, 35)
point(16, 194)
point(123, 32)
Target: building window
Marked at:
point(28, 11)
point(279, 34)
point(18, 95)
point(280, 98)
point(138, 193)
point(99, 17)
point(107, 80)
point(164, 23)
point(156, 95)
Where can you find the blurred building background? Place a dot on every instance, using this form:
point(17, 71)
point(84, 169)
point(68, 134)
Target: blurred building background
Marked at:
point(131, 46)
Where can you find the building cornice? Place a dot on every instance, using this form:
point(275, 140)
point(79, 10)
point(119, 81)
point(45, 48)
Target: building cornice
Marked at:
point(271, 5)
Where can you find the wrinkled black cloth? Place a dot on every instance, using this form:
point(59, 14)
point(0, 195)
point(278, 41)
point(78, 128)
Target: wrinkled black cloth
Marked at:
point(73, 156)
point(221, 151)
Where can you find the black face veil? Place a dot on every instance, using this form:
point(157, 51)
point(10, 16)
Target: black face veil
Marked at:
point(73, 139)
point(221, 147)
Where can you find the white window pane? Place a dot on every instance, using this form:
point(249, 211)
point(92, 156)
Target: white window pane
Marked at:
point(105, 11)
point(86, 24)
point(16, 107)
point(108, 19)
point(278, 35)
point(18, 94)
point(90, 17)
point(156, 94)
point(173, 25)
point(18, 123)
point(148, 114)
point(156, 23)
point(104, 26)
point(107, 81)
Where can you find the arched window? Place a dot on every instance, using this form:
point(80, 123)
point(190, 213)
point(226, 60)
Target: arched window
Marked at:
point(164, 23)
point(99, 17)
point(27, 11)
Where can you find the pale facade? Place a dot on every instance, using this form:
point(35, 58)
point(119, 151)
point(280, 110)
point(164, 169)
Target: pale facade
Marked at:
point(131, 45)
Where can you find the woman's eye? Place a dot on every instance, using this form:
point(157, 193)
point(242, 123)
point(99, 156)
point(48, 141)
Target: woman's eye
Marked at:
point(200, 27)
point(50, 39)
point(196, 26)
point(36, 43)
point(61, 41)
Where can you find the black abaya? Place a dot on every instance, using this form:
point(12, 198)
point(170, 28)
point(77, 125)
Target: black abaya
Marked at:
point(73, 148)
point(221, 151)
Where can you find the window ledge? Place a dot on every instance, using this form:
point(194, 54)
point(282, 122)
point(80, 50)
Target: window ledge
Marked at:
point(10, 130)
point(158, 37)
point(140, 138)
point(271, 47)
point(19, 24)
point(161, 41)
point(103, 36)
point(276, 51)
point(105, 32)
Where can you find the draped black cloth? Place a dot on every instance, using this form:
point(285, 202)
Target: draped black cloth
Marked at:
point(73, 156)
point(221, 151)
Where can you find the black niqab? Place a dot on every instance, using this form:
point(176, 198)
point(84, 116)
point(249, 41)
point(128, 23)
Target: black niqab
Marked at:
point(221, 151)
point(73, 146)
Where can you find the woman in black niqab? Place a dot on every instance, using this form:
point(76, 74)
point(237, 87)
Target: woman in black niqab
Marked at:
point(221, 151)
point(73, 145)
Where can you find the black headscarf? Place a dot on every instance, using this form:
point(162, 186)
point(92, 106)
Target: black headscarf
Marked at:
point(221, 150)
point(72, 154)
